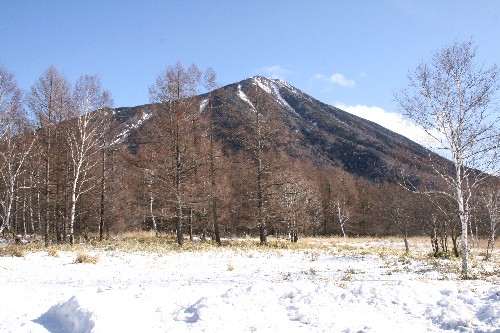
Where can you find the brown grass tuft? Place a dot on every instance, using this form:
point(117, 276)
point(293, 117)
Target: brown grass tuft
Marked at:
point(85, 258)
point(12, 250)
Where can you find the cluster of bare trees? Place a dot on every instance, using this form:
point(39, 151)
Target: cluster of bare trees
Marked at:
point(50, 148)
point(253, 186)
point(192, 175)
point(212, 169)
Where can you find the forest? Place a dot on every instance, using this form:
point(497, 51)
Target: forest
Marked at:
point(194, 166)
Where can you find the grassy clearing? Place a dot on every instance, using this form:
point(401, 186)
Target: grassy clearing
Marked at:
point(390, 249)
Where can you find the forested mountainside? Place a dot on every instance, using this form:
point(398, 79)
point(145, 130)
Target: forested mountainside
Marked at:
point(255, 157)
point(312, 130)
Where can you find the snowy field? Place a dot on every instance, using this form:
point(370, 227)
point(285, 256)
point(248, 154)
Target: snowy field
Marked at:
point(334, 287)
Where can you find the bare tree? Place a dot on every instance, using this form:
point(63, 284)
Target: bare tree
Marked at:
point(208, 107)
point(402, 212)
point(261, 136)
point(84, 137)
point(491, 200)
point(293, 199)
point(106, 170)
point(49, 100)
point(14, 149)
point(175, 112)
point(10, 100)
point(452, 100)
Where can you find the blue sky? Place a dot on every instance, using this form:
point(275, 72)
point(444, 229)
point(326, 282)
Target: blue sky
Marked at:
point(351, 53)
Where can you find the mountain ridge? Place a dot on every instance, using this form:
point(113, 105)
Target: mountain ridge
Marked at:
point(326, 133)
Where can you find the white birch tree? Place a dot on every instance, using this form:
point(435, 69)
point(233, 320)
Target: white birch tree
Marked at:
point(13, 148)
point(453, 100)
point(84, 135)
point(343, 214)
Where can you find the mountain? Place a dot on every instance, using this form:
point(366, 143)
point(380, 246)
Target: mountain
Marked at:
point(318, 132)
point(256, 157)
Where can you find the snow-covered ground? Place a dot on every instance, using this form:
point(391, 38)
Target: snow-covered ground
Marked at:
point(329, 289)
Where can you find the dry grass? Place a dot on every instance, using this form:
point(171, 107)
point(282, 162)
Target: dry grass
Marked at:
point(12, 250)
point(85, 258)
point(52, 251)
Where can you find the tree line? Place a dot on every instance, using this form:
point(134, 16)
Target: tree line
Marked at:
point(206, 169)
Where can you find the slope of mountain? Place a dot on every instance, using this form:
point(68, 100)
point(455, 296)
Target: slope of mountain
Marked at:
point(321, 133)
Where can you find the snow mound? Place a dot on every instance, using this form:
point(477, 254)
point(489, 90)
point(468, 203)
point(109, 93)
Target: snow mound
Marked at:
point(69, 316)
point(107, 310)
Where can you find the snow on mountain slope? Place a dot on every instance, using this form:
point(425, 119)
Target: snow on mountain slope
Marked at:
point(244, 97)
point(203, 105)
point(272, 87)
point(120, 137)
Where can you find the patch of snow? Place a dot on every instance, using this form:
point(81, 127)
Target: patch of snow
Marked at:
point(145, 116)
point(281, 100)
point(284, 84)
point(263, 85)
point(244, 97)
point(203, 105)
point(272, 87)
point(120, 137)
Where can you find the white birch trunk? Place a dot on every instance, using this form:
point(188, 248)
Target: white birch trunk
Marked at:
point(74, 199)
point(464, 223)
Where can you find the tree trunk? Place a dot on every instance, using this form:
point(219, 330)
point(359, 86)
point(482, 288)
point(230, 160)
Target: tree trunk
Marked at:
point(407, 245)
point(491, 245)
point(153, 219)
point(342, 229)
point(47, 189)
point(464, 221)
point(102, 206)
point(72, 218)
point(74, 199)
point(8, 210)
point(216, 220)
point(215, 217)
point(260, 198)
point(180, 235)
point(190, 224)
point(262, 234)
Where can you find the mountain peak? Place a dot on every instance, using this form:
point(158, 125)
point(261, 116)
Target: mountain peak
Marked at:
point(272, 87)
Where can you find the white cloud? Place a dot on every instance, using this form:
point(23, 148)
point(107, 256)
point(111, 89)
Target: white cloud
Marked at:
point(390, 120)
point(276, 72)
point(341, 80)
point(335, 78)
